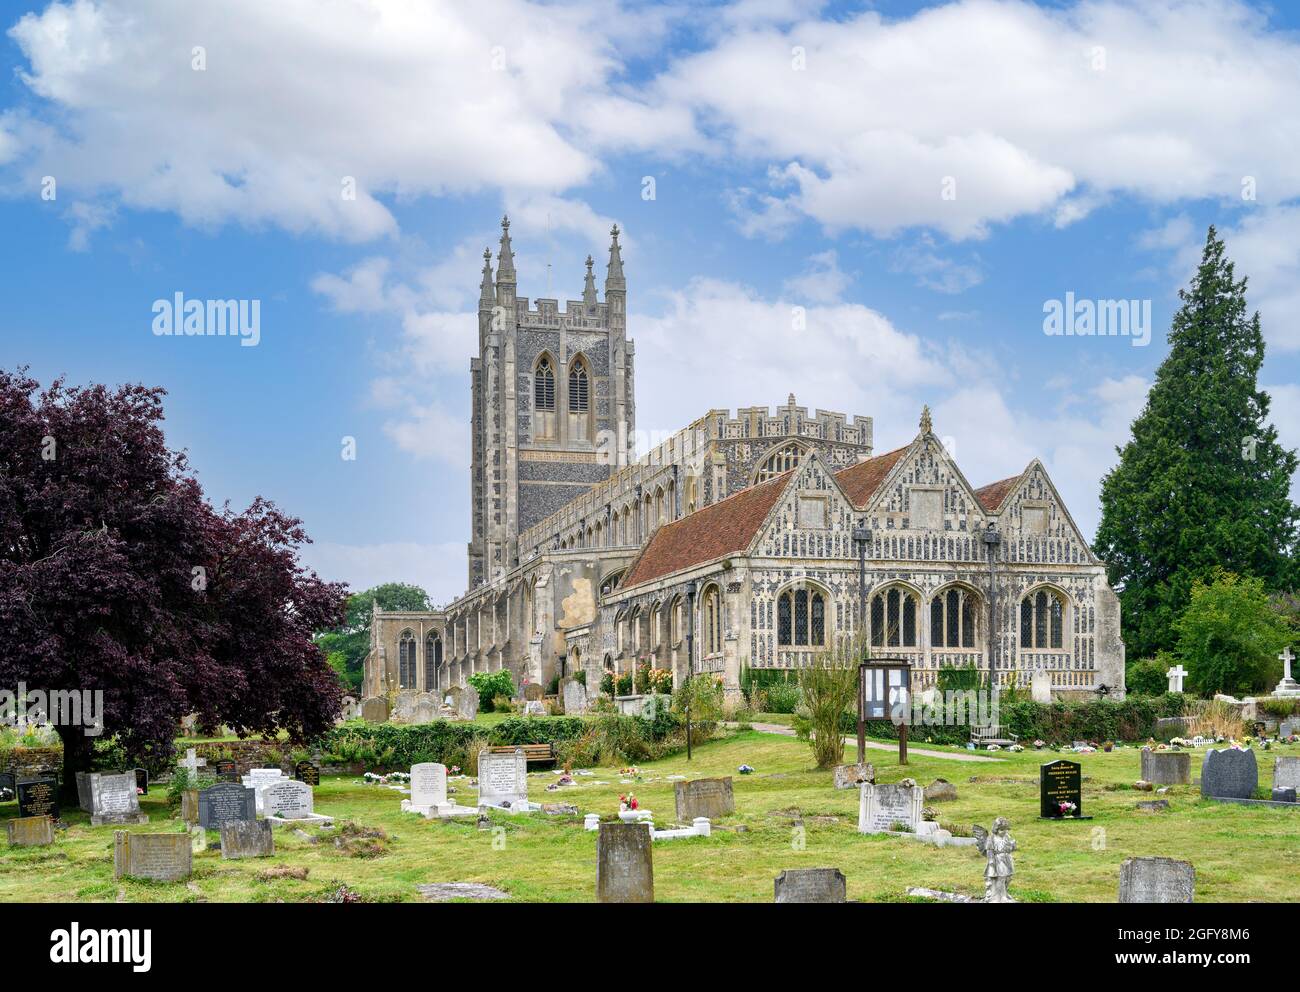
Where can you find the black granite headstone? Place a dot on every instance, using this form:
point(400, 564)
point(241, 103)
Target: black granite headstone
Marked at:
point(142, 781)
point(1230, 773)
point(1060, 784)
point(227, 771)
point(226, 802)
point(39, 796)
point(306, 771)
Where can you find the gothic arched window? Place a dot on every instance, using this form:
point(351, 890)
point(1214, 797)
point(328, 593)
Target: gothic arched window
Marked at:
point(579, 395)
point(1042, 620)
point(893, 618)
point(432, 661)
point(544, 385)
point(711, 615)
point(779, 462)
point(801, 619)
point(952, 619)
point(406, 664)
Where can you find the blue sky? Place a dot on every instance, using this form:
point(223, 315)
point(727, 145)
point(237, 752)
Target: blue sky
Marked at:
point(920, 178)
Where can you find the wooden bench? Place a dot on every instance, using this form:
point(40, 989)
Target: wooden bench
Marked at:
point(994, 733)
point(533, 753)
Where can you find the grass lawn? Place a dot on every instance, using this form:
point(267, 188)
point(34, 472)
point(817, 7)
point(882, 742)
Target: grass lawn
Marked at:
point(1241, 854)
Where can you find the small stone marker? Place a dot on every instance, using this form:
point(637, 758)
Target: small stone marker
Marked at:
point(1286, 773)
point(1060, 782)
point(624, 863)
point(810, 885)
point(1156, 880)
point(503, 780)
point(30, 831)
point(113, 799)
point(226, 802)
point(851, 776)
point(881, 807)
point(247, 839)
point(161, 857)
point(1286, 795)
point(1167, 767)
point(39, 797)
point(1229, 774)
point(940, 791)
point(711, 798)
point(307, 771)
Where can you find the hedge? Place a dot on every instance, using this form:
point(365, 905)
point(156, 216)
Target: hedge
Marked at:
point(395, 745)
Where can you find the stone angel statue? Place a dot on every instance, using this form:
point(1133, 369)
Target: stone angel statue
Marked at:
point(997, 848)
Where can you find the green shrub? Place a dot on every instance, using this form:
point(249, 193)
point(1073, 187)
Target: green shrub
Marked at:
point(959, 678)
point(1147, 677)
point(490, 685)
point(782, 697)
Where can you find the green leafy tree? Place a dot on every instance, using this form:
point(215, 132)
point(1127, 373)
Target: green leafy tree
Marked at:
point(1204, 481)
point(1229, 636)
point(346, 646)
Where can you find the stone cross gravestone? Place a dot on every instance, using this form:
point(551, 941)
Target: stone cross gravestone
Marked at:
point(288, 800)
point(161, 857)
point(503, 779)
point(1060, 784)
point(113, 799)
point(1176, 676)
point(1286, 773)
point(247, 839)
point(1167, 767)
point(1156, 880)
point(882, 808)
point(575, 698)
point(1288, 686)
point(39, 797)
point(624, 863)
point(226, 802)
point(8, 787)
point(1229, 774)
point(192, 764)
point(30, 831)
point(711, 798)
point(806, 885)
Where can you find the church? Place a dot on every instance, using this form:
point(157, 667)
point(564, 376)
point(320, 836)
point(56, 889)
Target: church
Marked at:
point(756, 539)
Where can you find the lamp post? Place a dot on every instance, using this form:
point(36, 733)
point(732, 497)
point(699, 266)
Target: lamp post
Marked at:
point(861, 538)
point(991, 541)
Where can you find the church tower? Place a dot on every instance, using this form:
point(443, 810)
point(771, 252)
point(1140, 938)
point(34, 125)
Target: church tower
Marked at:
point(553, 409)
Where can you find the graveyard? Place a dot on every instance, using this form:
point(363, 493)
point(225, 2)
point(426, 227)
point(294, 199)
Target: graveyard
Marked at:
point(360, 845)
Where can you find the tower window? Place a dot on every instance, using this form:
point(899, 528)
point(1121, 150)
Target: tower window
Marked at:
point(544, 385)
point(578, 389)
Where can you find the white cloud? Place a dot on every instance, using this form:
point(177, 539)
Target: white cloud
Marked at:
point(930, 269)
point(822, 280)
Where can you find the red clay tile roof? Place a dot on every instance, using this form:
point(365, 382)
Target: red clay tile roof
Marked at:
point(861, 481)
point(725, 527)
point(992, 495)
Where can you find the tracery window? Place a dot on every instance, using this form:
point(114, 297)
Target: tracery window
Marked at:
point(893, 618)
point(406, 670)
point(952, 619)
point(711, 617)
point(1042, 620)
point(801, 618)
point(779, 462)
point(432, 661)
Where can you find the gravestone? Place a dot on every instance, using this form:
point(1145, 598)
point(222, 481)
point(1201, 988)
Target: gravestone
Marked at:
point(810, 885)
point(307, 771)
point(1286, 773)
point(30, 831)
point(1041, 687)
point(8, 787)
point(1060, 782)
point(711, 798)
point(247, 839)
point(503, 780)
point(1229, 774)
point(940, 791)
point(227, 770)
point(467, 703)
point(1167, 767)
point(534, 707)
point(624, 863)
point(351, 709)
point(288, 800)
point(190, 806)
point(533, 692)
point(1169, 727)
point(880, 807)
point(39, 796)
point(258, 779)
point(142, 781)
point(83, 792)
point(161, 857)
point(851, 776)
point(1289, 728)
point(575, 698)
point(374, 709)
point(1284, 795)
point(423, 708)
point(1156, 880)
point(113, 799)
point(429, 793)
point(226, 802)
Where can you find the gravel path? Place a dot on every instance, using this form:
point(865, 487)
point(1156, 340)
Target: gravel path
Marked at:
point(776, 728)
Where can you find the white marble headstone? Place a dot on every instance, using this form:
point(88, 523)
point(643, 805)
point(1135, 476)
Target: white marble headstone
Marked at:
point(503, 779)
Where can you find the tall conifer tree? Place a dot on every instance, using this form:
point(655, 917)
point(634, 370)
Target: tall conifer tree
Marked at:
point(1203, 482)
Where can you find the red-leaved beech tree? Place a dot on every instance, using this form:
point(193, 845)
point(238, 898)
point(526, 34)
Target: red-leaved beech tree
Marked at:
point(117, 575)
